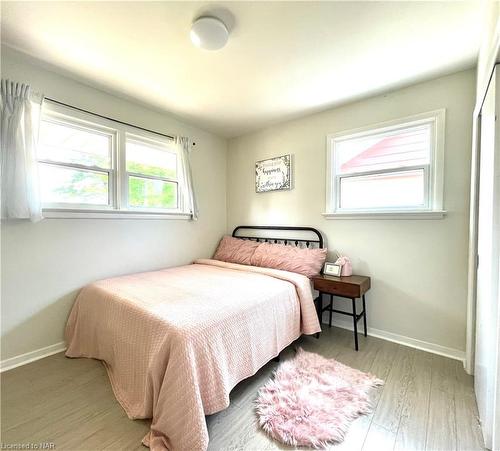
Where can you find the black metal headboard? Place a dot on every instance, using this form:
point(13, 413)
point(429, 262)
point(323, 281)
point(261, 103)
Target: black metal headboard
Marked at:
point(285, 240)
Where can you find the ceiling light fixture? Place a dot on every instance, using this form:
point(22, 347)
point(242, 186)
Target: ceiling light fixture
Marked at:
point(209, 33)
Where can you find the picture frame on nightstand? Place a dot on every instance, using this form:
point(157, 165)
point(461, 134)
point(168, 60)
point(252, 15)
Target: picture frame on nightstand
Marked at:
point(331, 269)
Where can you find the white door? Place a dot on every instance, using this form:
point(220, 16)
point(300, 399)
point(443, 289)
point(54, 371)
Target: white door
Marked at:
point(487, 308)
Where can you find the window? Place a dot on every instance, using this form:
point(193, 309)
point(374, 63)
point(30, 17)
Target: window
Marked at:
point(393, 168)
point(75, 164)
point(151, 174)
point(88, 164)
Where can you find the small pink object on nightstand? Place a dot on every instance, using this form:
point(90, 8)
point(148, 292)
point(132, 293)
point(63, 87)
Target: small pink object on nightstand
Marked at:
point(346, 265)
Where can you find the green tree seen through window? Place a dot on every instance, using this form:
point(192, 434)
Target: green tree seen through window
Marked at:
point(86, 186)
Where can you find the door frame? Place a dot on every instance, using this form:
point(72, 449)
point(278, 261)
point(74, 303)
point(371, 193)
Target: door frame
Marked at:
point(487, 336)
point(473, 218)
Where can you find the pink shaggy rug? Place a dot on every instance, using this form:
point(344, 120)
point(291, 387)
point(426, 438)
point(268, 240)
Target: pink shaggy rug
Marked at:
point(311, 401)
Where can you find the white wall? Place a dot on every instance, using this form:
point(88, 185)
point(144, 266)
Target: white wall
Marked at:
point(45, 264)
point(418, 267)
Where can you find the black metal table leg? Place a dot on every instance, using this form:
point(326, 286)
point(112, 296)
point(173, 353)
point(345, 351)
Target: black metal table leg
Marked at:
point(355, 324)
point(331, 311)
point(364, 314)
point(319, 310)
point(319, 306)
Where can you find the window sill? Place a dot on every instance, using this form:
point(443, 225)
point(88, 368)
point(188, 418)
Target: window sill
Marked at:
point(437, 214)
point(111, 214)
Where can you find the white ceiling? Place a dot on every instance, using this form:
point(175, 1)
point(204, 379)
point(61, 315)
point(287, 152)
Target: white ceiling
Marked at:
point(283, 59)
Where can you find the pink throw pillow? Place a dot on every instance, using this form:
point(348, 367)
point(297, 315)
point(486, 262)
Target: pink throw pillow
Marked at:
point(289, 258)
point(235, 250)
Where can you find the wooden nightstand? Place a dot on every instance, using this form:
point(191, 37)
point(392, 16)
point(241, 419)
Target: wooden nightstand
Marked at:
point(351, 287)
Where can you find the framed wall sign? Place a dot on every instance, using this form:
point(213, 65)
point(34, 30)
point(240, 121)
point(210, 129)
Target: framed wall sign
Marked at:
point(273, 174)
point(331, 269)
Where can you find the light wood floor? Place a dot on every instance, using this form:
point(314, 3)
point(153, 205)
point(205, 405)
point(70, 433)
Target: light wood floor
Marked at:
point(427, 403)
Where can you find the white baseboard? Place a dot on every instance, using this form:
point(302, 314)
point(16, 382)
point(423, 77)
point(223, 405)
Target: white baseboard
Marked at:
point(403, 340)
point(31, 356)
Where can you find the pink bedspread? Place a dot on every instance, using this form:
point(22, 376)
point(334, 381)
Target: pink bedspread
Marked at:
point(176, 341)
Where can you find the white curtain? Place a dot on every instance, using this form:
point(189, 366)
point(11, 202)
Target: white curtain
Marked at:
point(184, 150)
point(19, 132)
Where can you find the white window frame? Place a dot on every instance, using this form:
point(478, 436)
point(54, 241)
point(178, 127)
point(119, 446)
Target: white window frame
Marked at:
point(58, 118)
point(433, 172)
point(117, 207)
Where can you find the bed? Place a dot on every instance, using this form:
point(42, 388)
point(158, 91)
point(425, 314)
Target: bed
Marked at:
point(176, 341)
